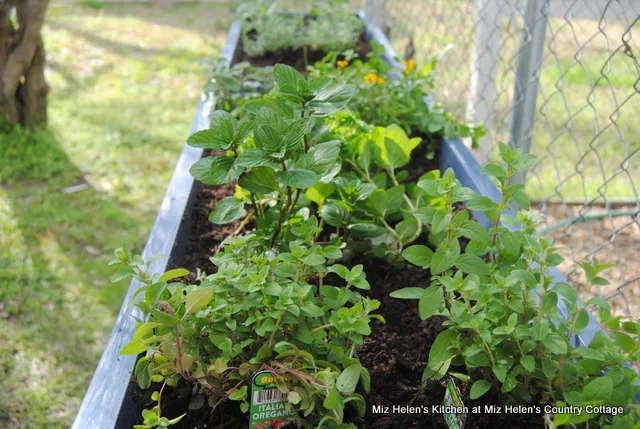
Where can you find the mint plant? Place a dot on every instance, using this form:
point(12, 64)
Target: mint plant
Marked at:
point(259, 311)
point(504, 330)
point(271, 153)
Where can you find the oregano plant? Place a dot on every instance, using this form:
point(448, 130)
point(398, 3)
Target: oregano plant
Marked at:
point(504, 328)
point(259, 311)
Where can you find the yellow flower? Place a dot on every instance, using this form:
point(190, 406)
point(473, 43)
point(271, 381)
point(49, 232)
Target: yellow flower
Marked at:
point(370, 78)
point(381, 80)
point(342, 63)
point(409, 66)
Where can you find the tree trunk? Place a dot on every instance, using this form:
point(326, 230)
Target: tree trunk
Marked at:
point(23, 89)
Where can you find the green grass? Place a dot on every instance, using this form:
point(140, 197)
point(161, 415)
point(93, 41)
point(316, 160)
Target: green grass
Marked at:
point(125, 81)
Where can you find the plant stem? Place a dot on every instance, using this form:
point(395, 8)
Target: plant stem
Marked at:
point(328, 325)
point(160, 397)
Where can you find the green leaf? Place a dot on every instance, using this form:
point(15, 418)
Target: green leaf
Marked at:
point(253, 158)
point(472, 264)
point(330, 100)
point(319, 192)
point(173, 274)
point(440, 351)
point(430, 187)
point(554, 259)
point(260, 180)
point(165, 318)
point(479, 388)
point(462, 194)
point(528, 363)
point(201, 170)
point(483, 204)
point(220, 136)
point(334, 214)
point(440, 221)
point(418, 255)
point(297, 178)
point(269, 140)
point(333, 401)
point(407, 293)
point(223, 170)
point(524, 161)
point(348, 379)
point(320, 158)
point(293, 135)
point(556, 343)
point(624, 341)
point(550, 368)
point(198, 299)
point(435, 371)
point(294, 397)
point(495, 170)
point(599, 388)
point(141, 373)
point(443, 259)
point(430, 302)
point(290, 81)
point(238, 394)
point(227, 210)
point(582, 320)
point(473, 231)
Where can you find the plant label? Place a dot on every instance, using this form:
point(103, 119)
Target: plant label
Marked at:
point(451, 402)
point(269, 406)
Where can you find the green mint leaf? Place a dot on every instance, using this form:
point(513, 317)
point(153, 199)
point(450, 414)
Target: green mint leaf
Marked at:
point(297, 178)
point(227, 210)
point(260, 180)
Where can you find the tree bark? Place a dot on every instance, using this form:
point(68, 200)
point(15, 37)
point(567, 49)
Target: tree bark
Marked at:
point(23, 89)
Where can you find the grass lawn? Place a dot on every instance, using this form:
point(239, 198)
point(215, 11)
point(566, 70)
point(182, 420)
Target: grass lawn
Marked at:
point(124, 87)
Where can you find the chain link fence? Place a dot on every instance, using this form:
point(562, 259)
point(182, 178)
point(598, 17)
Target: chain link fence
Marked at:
point(557, 78)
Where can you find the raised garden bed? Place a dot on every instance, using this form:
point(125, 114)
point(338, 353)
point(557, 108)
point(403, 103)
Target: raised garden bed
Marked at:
point(396, 353)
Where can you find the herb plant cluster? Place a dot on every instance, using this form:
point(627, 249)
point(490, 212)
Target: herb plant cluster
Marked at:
point(328, 26)
point(504, 330)
point(320, 164)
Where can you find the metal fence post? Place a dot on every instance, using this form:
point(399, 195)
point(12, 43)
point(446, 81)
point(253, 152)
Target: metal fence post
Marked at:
point(374, 11)
point(527, 76)
point(484, 65)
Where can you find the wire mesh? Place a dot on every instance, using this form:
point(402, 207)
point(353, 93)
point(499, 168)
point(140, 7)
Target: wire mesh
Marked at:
point(584, 128)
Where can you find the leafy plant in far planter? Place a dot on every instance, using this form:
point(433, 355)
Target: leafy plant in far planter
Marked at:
point(257, 312)
point(328, 26)
point(503, 327)
point(234, 86)
point(386, 95)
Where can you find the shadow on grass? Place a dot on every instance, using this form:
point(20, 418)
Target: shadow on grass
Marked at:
point(57, 305)
point(135, 49)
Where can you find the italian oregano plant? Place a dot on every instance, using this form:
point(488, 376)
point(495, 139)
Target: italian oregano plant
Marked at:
point(259, 311)
point(508, 326)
